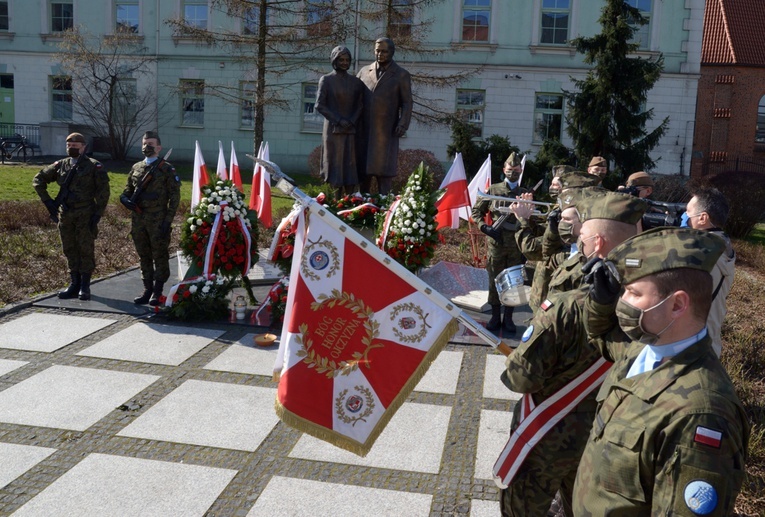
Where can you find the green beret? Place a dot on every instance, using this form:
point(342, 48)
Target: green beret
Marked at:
point(513, 160)
point(664, 248)
point(578, 179)
point(614, 206)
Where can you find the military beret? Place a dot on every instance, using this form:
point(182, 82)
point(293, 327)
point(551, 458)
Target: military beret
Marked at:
point(665, 248)
point(578, 179)
point(152, 134)
point(560, 169)
point(513, 160)
point(639, 179)
point(614, 206)
point(76, 137)
point(598, 161)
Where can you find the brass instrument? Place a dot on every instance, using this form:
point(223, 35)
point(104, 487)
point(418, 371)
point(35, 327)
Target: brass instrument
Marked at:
point(502, 204)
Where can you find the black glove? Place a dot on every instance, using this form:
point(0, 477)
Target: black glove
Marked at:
point(491, 232)
point(603, 279)
point(553, 218)
point(165, 228)
point(52, 209)
point(127, 203)
point(94, 222)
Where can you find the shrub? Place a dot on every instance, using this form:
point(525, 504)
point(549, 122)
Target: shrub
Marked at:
point(409, 160)
point(745, 191)
point(670, 188)
point(314, 162)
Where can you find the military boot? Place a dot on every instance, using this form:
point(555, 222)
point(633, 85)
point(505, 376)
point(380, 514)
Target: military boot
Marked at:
point(144, 298)
point(507, 321)
point(73, 289)
point(494, 322)
point(85, 286)
point(156, 293)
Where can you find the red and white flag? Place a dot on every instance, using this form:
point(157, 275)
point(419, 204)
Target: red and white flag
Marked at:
point(200, 178)
point(357, 337)
point(260, 193)
point(523, 168)
point(455, 197)
point(236, 176)
point(480, 183)
point(222, 171)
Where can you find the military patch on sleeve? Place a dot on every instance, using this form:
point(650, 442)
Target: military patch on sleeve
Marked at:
point(527, 335)
point(632, 262)
point(177, 179)
point(546, 305)
point(707, 436)
point(700, 497)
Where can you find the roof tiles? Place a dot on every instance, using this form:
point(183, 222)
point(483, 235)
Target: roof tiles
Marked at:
point(734, 32)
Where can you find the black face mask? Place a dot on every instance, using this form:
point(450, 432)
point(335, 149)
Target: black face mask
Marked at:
point(148, 150)
point(73, 152)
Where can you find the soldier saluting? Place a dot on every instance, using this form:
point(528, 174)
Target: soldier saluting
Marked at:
point(77, 208)
point(152, 193)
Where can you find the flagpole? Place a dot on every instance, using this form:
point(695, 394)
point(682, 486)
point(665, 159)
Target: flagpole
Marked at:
point(286, 185)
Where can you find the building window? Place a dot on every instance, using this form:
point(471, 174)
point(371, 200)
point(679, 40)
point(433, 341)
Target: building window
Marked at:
point(555, 17)
point(548, 117)
point(470, 104)
point(61, 16)
point(192, 102)
point(195, 13)
point(476, 15)
point(251, 21)
point(401, 20)
point(61, 97)
point(312, 120)
point(642, 35)
point(759, 134)
point(4, 25)
point(247, 106)
point(123, 101)
point(126, 16)
point(318, 17)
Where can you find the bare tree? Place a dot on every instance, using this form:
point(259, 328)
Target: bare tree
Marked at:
point(108, 87)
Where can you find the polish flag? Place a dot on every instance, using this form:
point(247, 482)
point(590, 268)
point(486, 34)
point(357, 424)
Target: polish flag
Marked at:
point(236, 177)
point(260, 193)
point(455, 197)
point(480, 182)
point(200, 176)
point(523, 168)
point(222, 172)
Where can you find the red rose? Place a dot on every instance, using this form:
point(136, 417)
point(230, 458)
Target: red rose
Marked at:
point(187, 294)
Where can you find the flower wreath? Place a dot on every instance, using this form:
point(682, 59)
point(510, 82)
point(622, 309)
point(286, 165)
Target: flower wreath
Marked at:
point(360, 210)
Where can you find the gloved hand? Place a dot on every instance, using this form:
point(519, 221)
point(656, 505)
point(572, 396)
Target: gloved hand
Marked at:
point(94, 222)
point(52, 209)
point(165, 228)
point(553, 218)
point(491, 232)
point(127, 203)
point(604, 280)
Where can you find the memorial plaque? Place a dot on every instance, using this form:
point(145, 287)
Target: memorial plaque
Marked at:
point(466, 286)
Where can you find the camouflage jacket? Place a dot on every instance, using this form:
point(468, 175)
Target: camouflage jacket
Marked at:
point(485, 206)
point(528, 239)
point(89, 187)
point(568, 275)
point(162, 194)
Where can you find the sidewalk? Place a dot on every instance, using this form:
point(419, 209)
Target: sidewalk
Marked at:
point(105, 410)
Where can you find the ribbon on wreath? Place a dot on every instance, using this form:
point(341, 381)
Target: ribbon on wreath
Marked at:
point(174, 289)
point(343, 213)
point(215, 233)
point(388, 221)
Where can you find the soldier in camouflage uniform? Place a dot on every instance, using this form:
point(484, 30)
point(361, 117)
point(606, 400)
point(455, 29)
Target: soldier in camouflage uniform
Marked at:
point(153, 213)
point(670, 436)
point(502, 249)
point(553, 351)
point(77, 210)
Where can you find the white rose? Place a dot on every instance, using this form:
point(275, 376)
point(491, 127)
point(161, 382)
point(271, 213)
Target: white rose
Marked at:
point(206, 289)
point(422, 232)
point(199, 222)
point(193, 228)
point(193, 289)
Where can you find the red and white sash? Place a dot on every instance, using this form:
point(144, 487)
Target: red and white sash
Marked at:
point(536, 421)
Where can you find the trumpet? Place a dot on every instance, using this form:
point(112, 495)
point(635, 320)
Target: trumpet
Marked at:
point(502, 204)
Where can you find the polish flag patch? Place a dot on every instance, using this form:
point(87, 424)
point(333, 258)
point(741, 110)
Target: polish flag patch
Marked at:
point(546, 305)
point(708, 436)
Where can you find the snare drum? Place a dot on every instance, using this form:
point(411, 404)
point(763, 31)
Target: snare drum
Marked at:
point(511, 288)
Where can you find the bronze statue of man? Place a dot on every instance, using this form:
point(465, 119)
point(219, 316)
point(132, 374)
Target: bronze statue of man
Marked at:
point(340, 99)
point(387, 112)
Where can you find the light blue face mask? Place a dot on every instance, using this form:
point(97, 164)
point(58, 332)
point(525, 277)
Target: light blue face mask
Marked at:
point(511, 184)
point(684, 220)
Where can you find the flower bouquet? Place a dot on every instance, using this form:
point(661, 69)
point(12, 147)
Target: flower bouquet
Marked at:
point(277, 301)
point(409, 231)
point(202, 298)
point(360, 210)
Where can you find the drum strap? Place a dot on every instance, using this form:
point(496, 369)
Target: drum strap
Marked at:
point(536, 421)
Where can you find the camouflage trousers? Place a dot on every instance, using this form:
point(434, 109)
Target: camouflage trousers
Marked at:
point(77, 240)
point(501, 255)
point(550, 467)
point(151, 245)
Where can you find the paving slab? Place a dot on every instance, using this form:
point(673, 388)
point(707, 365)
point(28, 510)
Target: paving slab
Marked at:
point(493, 433)
point(17, 459)
point(479, 508)
point(443, 374)
point(243, 356)
point(210, 414)
point(68, 397)
point(103, 485)
point(153, 343)
point(405, 444)
point(300, 497)
point(492, 385)
point(43, 332)
point(8, 365)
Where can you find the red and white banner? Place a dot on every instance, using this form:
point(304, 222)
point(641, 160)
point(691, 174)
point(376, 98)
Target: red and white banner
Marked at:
point(236, 176)
point(455, 197)
point(357, 336)
point(260, 193)
point(536, 421)
point(480, 183)
point(222, 171)
point(200, 178)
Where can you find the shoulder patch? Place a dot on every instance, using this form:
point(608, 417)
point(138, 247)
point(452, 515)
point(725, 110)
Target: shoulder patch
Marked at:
point(711, 437)
point(632, 262)
point(527, 335)
point(177, 179)
point(546, 305)
point(700, 497)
